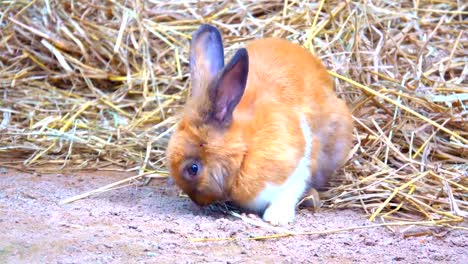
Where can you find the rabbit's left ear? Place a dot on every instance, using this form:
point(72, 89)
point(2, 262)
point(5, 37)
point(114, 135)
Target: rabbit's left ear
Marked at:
point(227, 90)
point(206, 57)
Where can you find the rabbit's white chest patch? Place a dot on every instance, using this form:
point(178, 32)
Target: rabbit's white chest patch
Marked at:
point(280, 201)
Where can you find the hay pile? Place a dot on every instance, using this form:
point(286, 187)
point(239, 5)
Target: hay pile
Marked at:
point(97, 84)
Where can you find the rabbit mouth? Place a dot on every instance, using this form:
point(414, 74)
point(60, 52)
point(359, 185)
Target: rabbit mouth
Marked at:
point(203, 200)
point(211, 192)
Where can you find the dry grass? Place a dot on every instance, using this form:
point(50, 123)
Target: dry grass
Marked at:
point(98, 84)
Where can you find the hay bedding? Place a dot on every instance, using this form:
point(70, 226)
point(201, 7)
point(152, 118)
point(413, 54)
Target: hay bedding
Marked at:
point(98, 85)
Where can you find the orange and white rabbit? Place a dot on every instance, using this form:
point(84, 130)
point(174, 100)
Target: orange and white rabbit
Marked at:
point(259, 131)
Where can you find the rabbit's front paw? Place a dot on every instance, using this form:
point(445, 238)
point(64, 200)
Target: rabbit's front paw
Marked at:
point(279, 214)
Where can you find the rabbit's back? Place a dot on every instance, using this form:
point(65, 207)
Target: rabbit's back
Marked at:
point(284, 72)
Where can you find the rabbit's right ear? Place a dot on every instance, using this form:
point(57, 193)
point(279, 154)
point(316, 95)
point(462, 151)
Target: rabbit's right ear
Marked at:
point(206, 57)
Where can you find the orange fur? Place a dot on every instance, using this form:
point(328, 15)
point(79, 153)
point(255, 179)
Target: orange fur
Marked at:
point(264, 142)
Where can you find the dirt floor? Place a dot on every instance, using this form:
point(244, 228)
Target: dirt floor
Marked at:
point(154, 224)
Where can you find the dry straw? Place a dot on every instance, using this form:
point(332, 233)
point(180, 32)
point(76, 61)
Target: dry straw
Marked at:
point(98, 85)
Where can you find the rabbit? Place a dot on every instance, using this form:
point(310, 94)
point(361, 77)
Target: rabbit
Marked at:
point(259, 132)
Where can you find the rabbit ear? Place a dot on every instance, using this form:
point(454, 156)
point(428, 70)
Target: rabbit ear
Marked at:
point(206, 57)
point(226, 92)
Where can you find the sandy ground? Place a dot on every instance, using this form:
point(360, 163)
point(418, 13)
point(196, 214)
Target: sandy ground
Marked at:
point(154, 224)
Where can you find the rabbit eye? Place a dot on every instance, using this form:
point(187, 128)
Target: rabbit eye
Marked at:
point(192, 169)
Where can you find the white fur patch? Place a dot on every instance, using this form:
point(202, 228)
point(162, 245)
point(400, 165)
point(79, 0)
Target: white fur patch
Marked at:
point(281, 200)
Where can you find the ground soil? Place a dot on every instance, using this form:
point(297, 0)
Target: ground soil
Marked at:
point(154, 224)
